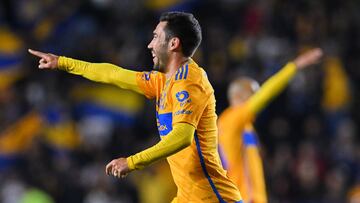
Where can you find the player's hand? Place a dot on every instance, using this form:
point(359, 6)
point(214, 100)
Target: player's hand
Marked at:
point(47, 61)
point(118, 168)
point(308, 58)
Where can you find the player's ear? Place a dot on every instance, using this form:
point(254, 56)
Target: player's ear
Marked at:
point(174, 43)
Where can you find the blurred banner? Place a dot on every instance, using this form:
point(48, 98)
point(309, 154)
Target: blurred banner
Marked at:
point(10, 57)
point(17, 138)
point(118, 105)
point(60, 131)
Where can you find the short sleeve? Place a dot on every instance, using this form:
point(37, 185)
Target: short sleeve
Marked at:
point(148, 82)
point(189, 101)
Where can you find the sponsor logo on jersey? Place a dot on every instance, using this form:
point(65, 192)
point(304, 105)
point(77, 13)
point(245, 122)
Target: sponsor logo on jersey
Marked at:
point(183, 111)
point(164, 123)
point(183, 97)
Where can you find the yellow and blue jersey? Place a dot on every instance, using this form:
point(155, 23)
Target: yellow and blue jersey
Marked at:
point(234, 143)
point(240, 155)
point(188, 97)
point(185, 98)
point(238, 145)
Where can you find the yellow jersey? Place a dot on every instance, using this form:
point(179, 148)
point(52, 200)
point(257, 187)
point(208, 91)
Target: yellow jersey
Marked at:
point(238, 148)
point(185, 98)
point(189, 97)
point(237, 140)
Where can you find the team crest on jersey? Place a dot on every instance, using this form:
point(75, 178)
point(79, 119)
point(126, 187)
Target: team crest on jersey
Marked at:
point(183, 97)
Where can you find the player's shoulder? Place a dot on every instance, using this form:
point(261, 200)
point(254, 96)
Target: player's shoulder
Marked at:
point(188, 73)
point(150, 75)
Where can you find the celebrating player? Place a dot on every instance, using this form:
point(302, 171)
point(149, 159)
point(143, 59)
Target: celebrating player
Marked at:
point(185, 110)
point(237, 142)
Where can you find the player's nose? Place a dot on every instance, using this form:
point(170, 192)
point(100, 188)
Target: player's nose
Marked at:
point(150, 45)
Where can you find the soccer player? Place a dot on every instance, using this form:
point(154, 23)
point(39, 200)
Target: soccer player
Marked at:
point(185, 110)
point(237, 142)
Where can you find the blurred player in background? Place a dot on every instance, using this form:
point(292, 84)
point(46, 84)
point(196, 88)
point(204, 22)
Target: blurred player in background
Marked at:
point(185, 110)
point(238, 146)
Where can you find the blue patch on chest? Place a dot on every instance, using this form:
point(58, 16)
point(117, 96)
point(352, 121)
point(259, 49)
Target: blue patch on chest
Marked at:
point(164, 123)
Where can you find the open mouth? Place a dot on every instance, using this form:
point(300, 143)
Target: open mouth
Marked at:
point(154, 57)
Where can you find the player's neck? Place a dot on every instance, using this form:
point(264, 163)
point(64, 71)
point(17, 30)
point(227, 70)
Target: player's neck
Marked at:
point(174, 63)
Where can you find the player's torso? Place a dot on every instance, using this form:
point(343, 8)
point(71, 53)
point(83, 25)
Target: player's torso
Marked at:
point(230, 139)
point(232, 145)
point(197, 168)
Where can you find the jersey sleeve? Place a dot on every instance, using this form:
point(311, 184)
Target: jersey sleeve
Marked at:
point(100, 72)
point(254, 164)
point(180, 137)
point(189, 100)
point(148, 82)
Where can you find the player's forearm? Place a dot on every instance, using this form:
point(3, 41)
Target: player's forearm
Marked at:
point(100, 72)
point(257, 179)
point(272, 88)
point(179, 138)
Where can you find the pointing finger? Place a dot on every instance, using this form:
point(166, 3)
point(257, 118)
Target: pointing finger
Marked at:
point(37, 53)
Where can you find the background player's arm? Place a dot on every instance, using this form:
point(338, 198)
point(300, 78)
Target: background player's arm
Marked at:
point(180, 137)
point(278, 82)
point(256, 174)
point(271, 88)
point(99, 72)
point(254, 166)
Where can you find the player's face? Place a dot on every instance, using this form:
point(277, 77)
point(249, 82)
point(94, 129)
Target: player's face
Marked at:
point(159, 47)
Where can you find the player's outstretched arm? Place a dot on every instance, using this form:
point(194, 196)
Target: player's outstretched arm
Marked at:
point(277, 83)
point(99, 72)
point(308, 58)
point(179, 138)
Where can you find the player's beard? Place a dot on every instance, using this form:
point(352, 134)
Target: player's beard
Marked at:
point(161, 59)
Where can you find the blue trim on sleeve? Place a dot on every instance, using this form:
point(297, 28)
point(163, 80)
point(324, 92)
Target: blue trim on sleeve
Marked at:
point(250, 138)
point(203, 166)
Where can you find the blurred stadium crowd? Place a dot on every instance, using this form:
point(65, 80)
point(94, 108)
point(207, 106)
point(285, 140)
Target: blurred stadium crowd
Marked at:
point(58, 130)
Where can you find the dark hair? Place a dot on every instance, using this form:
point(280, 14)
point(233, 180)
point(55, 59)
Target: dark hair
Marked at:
point(185, 27)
